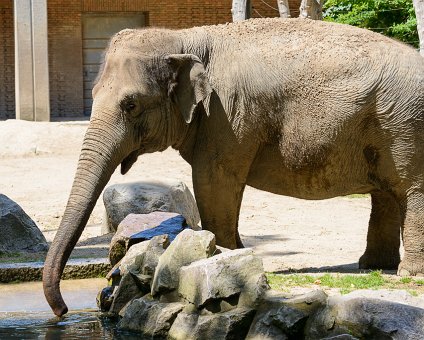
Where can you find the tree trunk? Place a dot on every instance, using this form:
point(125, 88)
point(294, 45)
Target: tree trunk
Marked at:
point(283, 8)
point(311, 9)
point(241, 10)
point(419, 10)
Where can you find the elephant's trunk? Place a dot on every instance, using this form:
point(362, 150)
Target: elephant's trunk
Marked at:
point(100, 155)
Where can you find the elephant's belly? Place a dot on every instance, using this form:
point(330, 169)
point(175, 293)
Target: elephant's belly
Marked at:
point(339, 174)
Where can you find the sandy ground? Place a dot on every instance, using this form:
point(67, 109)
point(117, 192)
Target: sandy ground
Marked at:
point(38, 162)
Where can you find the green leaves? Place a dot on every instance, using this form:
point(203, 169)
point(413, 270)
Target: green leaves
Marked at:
point(394, 18)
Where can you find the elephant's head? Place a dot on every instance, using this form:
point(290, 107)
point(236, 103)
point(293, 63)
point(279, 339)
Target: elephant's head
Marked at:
point(144, 101)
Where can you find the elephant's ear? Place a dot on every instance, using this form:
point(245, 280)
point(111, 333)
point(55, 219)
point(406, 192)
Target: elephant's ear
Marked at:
point(189, 85)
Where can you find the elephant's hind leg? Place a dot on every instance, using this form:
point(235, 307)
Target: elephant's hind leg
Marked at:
point(383, 239)
point(412, 210)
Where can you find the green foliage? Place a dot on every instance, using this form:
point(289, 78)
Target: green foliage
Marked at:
point(394, 18)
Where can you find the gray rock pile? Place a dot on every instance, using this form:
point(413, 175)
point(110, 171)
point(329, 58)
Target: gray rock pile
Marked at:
point(190, 289)
point(120, 200)
point(186, 289)
point(19, 233)
point(173, 282)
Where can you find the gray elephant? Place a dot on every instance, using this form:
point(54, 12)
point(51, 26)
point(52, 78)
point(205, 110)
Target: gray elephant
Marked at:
point(295, 107)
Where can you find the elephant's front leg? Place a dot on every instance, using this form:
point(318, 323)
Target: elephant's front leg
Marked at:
point(219, 192)
point(383, 239)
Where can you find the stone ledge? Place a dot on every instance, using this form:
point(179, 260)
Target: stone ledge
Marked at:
point(75, 269)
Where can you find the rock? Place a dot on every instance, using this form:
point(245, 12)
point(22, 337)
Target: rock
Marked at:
point(121, 200)
point(279, 317)
point(233, 324)
point(366, 319)
point(19, 233)
point(104, 298)
point(224, 275)
point(149, 317)
point(113, 277)
point(188, 246)
point(134, 224)
point(133, 259)
point(142, 258)
point(127, 290)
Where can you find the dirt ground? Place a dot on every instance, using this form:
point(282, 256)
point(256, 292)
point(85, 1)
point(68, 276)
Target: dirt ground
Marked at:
point(38, 162)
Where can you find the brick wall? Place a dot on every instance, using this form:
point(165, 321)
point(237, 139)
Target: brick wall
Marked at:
point(65, 58)
point(7, 57)
point(65, 41)
point(186, 13)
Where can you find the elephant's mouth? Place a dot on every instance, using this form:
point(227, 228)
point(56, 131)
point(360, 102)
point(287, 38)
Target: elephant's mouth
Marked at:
point(128, 161)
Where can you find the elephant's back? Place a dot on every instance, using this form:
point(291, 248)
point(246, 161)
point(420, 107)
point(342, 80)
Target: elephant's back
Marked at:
point(296, 38)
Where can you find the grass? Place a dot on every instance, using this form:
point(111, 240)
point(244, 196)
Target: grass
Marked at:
point(346, 283)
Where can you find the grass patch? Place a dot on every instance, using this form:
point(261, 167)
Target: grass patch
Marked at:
point(346, 283)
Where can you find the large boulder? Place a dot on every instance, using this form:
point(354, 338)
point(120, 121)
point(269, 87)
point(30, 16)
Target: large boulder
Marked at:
point(152, 319)
point(121, 200)
point(219, 277)
point(137, 228)
point(188, 246)
point(366, 319)
point(233, 324)
point(19, 233)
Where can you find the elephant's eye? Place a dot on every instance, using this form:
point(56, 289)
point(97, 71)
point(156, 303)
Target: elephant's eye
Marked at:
point(130, 106)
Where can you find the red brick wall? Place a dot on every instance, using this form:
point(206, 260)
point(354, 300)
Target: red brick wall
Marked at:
point(65, 41)
point(7, 59)
point(186, 13)
point(65, 58)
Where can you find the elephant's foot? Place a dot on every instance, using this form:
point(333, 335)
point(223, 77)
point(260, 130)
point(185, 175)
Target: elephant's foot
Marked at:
point(239, 242)
point(226, 242)
point(413, 267)
point(381, 260)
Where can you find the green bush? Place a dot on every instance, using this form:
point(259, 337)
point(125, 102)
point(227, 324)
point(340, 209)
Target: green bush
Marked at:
point(394, 18)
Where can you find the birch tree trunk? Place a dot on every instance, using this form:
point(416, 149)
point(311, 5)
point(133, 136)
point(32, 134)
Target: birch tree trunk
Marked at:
point(241, 10)
point(311, 9)
point(419, 10)
point(283, 8)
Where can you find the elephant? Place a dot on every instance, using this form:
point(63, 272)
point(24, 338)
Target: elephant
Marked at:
point(295, 107)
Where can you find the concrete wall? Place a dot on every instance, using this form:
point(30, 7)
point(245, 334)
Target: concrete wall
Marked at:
point(65, 40)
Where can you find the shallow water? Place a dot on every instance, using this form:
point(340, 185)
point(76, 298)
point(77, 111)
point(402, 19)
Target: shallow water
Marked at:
point(24, 313)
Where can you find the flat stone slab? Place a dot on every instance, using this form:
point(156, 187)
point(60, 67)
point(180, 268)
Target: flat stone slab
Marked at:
point(171, 227)
point(75, 269)
point(143, 227)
